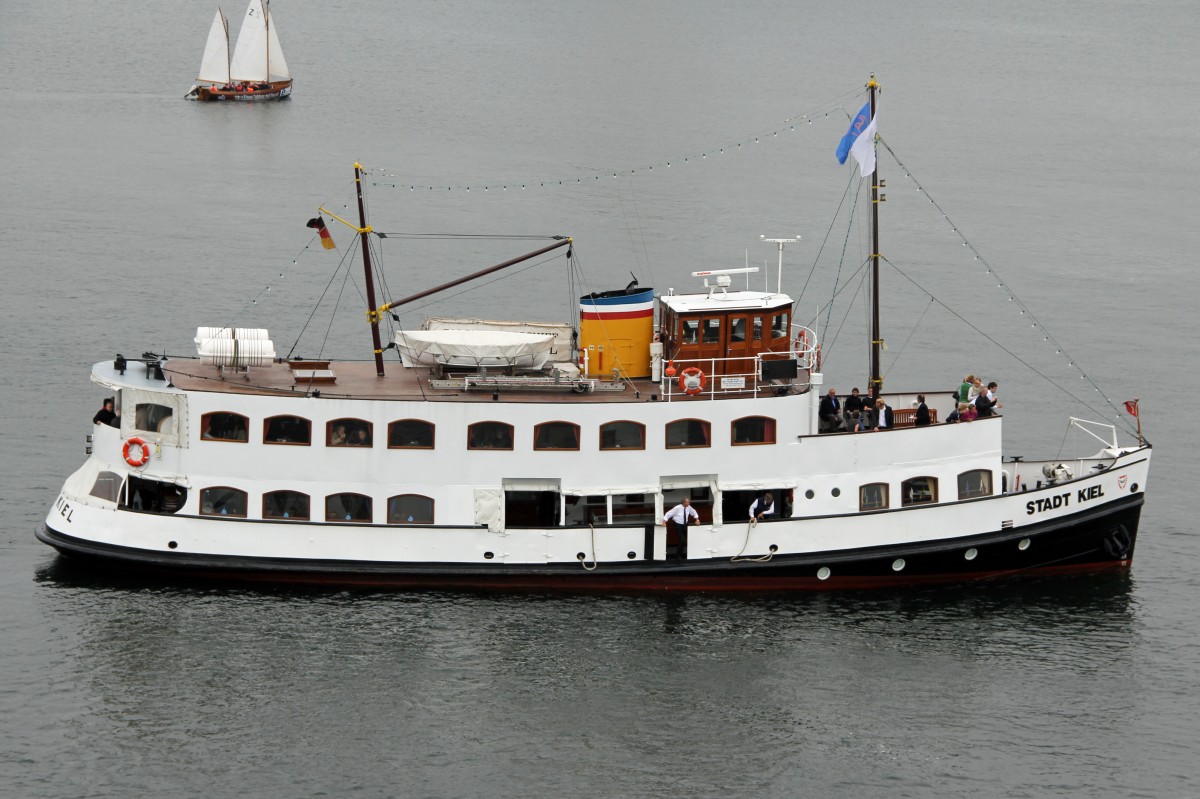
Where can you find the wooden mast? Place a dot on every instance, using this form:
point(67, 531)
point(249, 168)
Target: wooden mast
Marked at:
point(364, 232)
point(876, 338)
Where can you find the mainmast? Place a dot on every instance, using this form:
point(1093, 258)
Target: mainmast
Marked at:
point(876, 382)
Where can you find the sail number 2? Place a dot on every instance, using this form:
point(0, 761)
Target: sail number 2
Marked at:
point(64, 508)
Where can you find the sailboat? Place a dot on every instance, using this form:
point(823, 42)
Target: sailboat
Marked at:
point(256, 70)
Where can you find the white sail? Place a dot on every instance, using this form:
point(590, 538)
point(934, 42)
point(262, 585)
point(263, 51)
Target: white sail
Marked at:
point(277, 66)
point(250, 56)
point(214, 67)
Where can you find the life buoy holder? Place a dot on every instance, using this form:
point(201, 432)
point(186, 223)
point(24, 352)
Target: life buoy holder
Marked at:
point(691, 380)
point(143, 456)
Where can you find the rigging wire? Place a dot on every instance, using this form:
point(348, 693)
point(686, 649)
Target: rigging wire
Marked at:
point(1012, 296)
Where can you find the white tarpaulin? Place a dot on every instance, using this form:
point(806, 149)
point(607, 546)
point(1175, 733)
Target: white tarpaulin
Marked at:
point(474, 348)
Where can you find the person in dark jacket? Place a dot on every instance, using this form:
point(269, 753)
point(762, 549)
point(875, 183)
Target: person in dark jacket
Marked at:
point(922, 416)
point(106, 415)
point(830, 412)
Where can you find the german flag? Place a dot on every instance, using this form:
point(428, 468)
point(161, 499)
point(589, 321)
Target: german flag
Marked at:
point(318, 224)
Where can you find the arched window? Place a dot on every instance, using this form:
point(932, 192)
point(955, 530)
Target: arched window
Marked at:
point(918, 491)
point(348, 433)
point(222, 501)
point(556, 435)
point(410, 509)
point(976, 483)
point(348, 508)
point(688, 433)
point(490, 435)
point(287, 430)
point(410, 434)
point(285, 505)
point(873, 496)
point(753, 430)
point(224, 426)
point(622, 435)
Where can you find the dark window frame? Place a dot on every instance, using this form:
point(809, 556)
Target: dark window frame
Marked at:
point(987, 473)
point(537, 431)
point(770, 431)
point(707, 426)
point(906, 502)
point(245, 502)
point(471, 430)
point(862, 498)
point(267, 426)
point(432, 435)
point(432, 509)
point(305, 518)
point(206, 426)
point(369, 504)
point(356, 424)
point(641, 428)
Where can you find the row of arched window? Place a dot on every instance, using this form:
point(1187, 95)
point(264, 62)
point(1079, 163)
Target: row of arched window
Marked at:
point(295, 506)
point(419, 434)
point(924, 490)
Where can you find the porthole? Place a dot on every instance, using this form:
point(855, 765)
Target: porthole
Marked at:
point(172, 544)
point(898, 565)
point(809, 494)
point(1133, 488)
point(631, 555)
point(488, 555)
point(1023, 544)
point(580, 556)
point(971, 553)
point(837, 492)
point(823, 573)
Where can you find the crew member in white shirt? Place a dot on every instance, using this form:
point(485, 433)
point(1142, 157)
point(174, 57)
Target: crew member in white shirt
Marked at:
point(682, 515)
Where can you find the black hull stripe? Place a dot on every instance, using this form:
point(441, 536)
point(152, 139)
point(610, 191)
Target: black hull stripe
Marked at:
point(1098, 538)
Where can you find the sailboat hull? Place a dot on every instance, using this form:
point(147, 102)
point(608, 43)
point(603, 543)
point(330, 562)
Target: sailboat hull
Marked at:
point(277, 90)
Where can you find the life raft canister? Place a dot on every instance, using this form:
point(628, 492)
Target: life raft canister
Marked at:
point(691, 380)
point(143, 456)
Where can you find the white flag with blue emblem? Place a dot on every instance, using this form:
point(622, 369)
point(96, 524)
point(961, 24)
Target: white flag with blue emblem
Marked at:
point(859, 141)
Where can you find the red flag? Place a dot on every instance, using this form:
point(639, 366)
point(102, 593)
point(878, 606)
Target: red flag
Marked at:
point(1131, 408)
point(319, 223)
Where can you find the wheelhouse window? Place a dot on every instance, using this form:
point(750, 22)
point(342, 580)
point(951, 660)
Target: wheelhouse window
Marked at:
point(622, 435)
point(690, 331)
point(712, 331)
point(153, 418)
point(737, 329)
point(348, 508)
point(490, 435)
point(753, 430)
point(410, 509)
point(410, 434)
point(287, 430)
point(556, 435)
point(688, 433)
point(224, 426)
point(977, 483)
point(873, 496)
point(285, 505)
point(107, 486)
point(222, 501)
point(348, 433)
point(757, 327)
point(779, 325)
point(918, 491)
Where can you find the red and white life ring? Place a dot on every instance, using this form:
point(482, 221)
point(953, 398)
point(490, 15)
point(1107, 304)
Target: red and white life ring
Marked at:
point(143, 456)
point(802, 341)
point(691, 380)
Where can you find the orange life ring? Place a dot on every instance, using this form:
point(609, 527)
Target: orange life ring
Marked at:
point(802, 341)
point(691, 380)
point(142, 459)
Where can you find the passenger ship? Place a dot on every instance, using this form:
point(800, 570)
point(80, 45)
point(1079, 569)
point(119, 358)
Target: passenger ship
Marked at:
point(527, 455)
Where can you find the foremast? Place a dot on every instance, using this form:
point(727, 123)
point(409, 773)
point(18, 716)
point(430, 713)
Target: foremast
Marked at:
point(373, 314)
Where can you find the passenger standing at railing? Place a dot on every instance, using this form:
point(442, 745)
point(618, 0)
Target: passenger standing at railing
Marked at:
point(106, 415)
point(883, 415)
